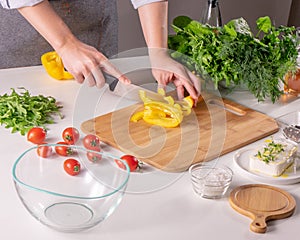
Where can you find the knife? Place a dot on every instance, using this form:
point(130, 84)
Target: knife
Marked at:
point(138, 70)
point(131, 91)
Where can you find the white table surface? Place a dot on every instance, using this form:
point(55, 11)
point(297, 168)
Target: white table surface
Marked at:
point(171, 211)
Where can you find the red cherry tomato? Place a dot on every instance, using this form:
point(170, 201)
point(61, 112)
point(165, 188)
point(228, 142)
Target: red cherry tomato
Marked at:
point(132, 162)
point(70, 135)
point(44, 151)
point(72, 166)
point(91, 142)
point(63, 150)
point(36, 135)
point(94, 157)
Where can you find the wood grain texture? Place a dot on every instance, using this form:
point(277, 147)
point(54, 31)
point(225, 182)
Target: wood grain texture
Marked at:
point(262, 203)
point(208, 132)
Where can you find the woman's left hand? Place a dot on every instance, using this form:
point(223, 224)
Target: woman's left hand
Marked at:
point(166, 70)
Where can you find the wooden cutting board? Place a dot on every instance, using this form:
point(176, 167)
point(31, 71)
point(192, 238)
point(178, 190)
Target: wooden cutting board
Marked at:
point(208, 132)
point(262, 203)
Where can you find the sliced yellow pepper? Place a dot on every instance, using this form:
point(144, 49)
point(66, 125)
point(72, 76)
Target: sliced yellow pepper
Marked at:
point(187, 105)
point(54, 66)
point(152, 112)
point(170, 110)
point(137, 116)
point(163, 122)
point(167, 113)
point(189, 101)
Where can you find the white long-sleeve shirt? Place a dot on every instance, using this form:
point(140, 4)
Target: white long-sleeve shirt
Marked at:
point(11, 4)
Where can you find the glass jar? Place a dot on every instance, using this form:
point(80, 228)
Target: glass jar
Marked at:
point(292, 83)
point(211, 14)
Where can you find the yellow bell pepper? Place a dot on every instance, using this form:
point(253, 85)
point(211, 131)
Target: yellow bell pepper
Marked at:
point(167, 113)
point(54, 66)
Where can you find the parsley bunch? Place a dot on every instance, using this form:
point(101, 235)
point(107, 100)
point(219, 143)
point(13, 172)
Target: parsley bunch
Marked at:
point(233, 54)
point(22, 111)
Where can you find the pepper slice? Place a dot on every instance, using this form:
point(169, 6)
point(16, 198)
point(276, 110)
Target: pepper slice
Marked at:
point(54, 66)
point(167, 113)
point(172, 111)
point(163, 122)
point(137, 116)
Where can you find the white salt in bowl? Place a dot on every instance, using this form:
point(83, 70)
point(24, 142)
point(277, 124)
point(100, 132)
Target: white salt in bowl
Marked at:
point(210, 180)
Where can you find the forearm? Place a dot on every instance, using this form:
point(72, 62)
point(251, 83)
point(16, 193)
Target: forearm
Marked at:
point(45, 20)
point(82, 60)
point(154, 22)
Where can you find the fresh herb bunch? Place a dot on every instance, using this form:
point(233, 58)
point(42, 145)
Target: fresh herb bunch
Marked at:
point(233, 54)
point(21, 111)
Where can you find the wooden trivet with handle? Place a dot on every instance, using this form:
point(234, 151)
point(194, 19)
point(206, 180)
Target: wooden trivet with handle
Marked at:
point(262, 203)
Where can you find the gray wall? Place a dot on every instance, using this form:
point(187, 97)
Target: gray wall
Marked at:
point(130, 34)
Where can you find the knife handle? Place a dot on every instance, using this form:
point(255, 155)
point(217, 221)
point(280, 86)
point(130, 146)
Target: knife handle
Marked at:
point(228, 107)
point(111, 81)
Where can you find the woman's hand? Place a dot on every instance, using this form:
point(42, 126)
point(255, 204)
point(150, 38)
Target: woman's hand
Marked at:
point(154, 22)
point(86, 63)
point(166, 70)
point(82, 61)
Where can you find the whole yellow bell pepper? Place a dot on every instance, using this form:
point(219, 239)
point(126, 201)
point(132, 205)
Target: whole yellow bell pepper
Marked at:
point(168, 114)
point(54, 66)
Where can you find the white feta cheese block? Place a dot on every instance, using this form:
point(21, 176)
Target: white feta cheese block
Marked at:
point(269, 161)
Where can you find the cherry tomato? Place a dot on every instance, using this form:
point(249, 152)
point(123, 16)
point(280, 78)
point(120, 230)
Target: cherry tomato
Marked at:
point(44, 151)
point(94, 157)
point(70, 135)
point(132, 162)
point(36, 135)
point(91, 142)
point(72, 166)
point(63, 150)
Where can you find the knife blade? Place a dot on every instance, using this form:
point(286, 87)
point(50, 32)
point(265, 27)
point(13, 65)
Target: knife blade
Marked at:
point(131, 91)
point(138, 70)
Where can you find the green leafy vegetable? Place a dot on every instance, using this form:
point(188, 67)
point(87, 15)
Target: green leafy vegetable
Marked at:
point(264, 24)
point(21, 111)
point(231, 53)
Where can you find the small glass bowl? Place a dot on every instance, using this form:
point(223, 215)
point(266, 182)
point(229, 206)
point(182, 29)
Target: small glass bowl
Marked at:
point(290, 126)
point(210, 180)
point(69, 203)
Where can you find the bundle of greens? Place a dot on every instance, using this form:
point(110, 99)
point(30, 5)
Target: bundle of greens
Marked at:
point(22, 111)
point(233, 54)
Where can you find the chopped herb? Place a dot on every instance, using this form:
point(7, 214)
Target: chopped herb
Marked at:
point(269, 153)
point(21, 111)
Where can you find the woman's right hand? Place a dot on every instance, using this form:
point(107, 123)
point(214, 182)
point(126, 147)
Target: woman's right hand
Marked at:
point(82, 61)
point(86, 63)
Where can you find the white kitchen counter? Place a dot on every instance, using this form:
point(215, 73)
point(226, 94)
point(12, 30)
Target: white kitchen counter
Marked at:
point(168, 211)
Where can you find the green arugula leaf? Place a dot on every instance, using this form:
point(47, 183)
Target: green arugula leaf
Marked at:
point(21, 111)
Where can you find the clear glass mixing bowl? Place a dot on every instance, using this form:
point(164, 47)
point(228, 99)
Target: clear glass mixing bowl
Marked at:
point(64, 202)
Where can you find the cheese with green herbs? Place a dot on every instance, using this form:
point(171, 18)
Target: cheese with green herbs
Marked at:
point(273, 158)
